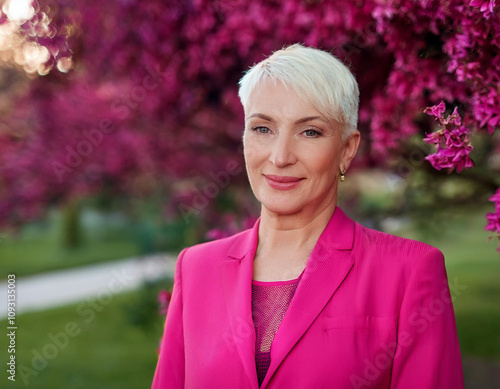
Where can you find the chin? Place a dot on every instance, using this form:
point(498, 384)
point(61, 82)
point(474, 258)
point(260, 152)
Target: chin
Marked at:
point(281, 207)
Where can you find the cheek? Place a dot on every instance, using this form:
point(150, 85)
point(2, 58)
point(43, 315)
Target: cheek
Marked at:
point(248, 155)
point(251, 147)
point(323, 163)
point(251, 162)
point(253, 154)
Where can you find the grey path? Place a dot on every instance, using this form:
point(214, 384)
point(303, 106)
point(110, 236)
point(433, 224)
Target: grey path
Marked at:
point(57, 288)
point(481, 373)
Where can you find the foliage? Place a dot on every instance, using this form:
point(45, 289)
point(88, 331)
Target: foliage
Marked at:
point(147, 102)
point(142, 310)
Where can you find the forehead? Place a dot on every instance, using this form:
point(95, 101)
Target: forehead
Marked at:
point(276, 99)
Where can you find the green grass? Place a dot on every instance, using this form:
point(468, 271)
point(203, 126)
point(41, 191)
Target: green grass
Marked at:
point(29, 256)
point(108, 352)
point(38, 247)
point(474, 262)
point(471, 260)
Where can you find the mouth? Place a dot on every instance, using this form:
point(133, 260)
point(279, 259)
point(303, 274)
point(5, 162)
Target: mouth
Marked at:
point(283, 182)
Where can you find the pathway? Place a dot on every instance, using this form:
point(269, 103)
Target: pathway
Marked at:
point(62, 287)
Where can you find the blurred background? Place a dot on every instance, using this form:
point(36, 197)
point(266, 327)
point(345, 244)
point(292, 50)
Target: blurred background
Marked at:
point(120, 144)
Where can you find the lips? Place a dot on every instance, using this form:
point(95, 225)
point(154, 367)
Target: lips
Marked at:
point(282, 182)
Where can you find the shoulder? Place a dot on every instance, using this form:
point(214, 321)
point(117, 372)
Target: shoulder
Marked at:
point(397, 261)
point(390, 248)
point(212, 251)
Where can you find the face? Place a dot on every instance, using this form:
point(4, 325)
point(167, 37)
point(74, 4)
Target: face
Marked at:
point(293, 154)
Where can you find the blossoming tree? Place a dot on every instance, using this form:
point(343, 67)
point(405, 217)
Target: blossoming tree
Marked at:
point(135, 96)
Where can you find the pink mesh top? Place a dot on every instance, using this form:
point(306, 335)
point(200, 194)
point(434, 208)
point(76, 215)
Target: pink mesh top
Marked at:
point(270, 301)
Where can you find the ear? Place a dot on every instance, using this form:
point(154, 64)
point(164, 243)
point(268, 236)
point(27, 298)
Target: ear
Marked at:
point(349, 149)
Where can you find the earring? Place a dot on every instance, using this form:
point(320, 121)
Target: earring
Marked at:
point(342, 175)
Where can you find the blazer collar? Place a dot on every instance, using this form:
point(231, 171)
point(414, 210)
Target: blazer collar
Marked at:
point(338, 234)
point(329, 264)
point(245, 242)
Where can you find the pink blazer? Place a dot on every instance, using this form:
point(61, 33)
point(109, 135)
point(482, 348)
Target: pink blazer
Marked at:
point(371, 311)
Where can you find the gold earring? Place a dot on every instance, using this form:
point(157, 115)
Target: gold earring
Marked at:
point(342, 175)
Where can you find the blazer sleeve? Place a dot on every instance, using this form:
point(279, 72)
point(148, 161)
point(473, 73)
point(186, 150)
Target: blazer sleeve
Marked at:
point(169, 372)
point(428, 353)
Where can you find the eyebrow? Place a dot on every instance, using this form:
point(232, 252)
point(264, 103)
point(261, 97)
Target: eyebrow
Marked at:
point(300, 121)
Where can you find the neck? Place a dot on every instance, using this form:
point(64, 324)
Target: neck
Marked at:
point(294, 232)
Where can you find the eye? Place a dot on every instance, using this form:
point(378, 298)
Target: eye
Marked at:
point(261, 130)
point(310, 133)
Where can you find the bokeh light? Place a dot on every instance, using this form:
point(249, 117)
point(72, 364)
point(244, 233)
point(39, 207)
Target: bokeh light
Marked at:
point(18, 11)
point(19, 36)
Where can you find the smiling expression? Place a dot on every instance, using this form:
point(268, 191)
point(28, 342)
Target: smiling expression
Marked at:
point(293, 153)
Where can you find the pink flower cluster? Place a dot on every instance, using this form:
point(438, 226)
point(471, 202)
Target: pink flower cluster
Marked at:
point(189, 123)
point(487, 7)
point(442, 50)
point(164, 297)
point(493, 218)
point(452, 141)
point(230, 227)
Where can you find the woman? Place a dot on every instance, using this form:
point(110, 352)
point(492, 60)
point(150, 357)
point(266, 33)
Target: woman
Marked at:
point(307, 298)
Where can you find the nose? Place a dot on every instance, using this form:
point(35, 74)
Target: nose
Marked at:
point(282, 152)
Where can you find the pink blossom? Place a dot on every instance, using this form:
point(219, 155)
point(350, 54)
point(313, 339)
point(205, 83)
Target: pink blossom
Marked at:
point(454, 119)
point(467, 71)
point(440, 160)
point(230, 226)
point(164, 297)
point(451, 158)
point(458, 137)
point(452, 141)
point(433, 138)
point(249, 222)
point(493, 222)
point(216, 233)
point(487, 110)
point(461, 158)
point(485, 6)
point(496, 199)
point(436, 110)
point(173, 135)
point(493, 218)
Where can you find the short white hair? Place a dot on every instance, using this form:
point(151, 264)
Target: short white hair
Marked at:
point(317, 75)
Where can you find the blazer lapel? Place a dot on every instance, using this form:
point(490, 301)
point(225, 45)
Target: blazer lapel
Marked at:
point(237, 274)
point(329, 263)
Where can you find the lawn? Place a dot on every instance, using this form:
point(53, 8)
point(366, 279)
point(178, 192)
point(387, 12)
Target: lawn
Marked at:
point(471, 261)
point(28, 256)
point(105, 351)
point(38, 248)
